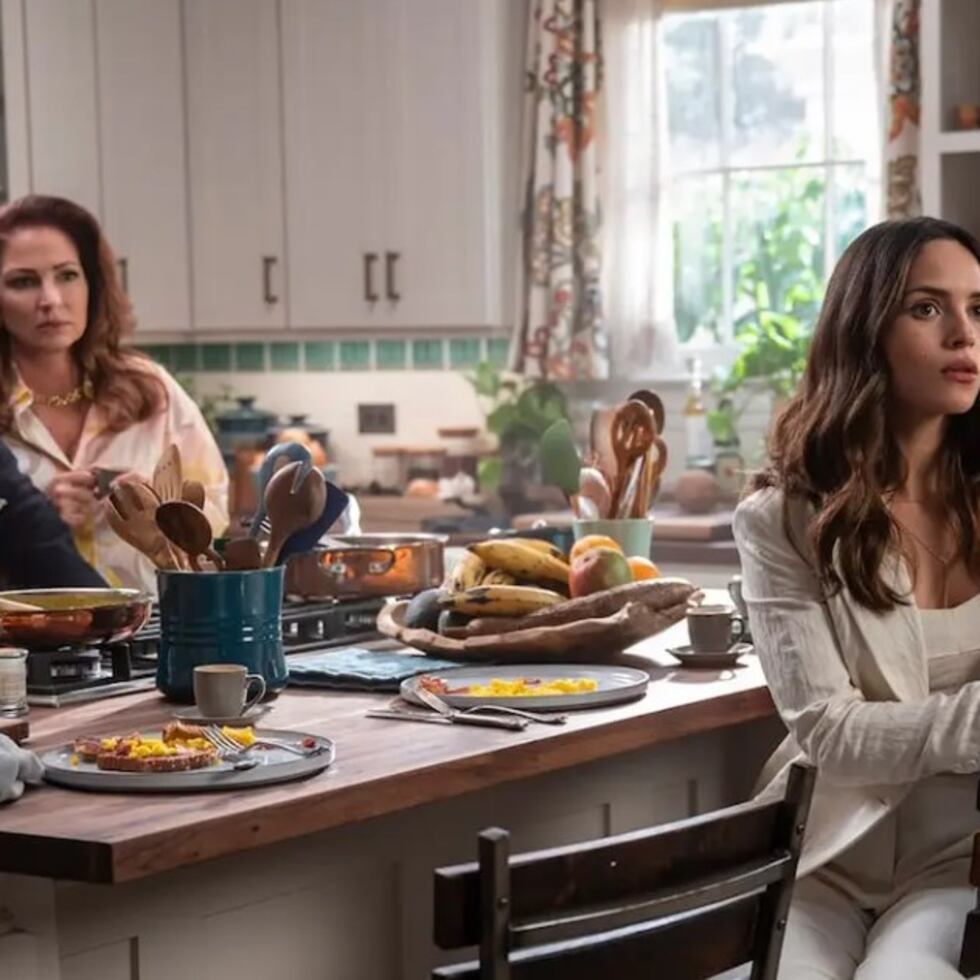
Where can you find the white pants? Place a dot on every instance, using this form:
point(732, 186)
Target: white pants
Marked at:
point(828, 937)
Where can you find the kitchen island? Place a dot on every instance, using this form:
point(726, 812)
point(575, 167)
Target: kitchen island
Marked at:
point(331, 876)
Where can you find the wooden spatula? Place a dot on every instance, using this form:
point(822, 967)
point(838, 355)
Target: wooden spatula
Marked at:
point(168, 475)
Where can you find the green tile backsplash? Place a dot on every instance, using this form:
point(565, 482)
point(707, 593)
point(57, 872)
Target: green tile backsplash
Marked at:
point(421, 353)
point(249, 357)
point(284, 356)
point(215, 357)
point(390, 355)
point(355, 355)
point(427, 354)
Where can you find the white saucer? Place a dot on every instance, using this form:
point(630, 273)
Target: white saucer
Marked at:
point(193, 715)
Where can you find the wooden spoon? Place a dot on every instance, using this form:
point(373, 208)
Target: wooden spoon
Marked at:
point(167, 475)
point(242, 555)
point(193, 492)
point(600, 436)
point(188, 528)
point(633, 432)
point(289, 508)
point(131, 510)
point(652, 401)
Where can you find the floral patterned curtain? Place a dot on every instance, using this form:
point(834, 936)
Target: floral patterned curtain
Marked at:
point(903, 193)
point(560, 328)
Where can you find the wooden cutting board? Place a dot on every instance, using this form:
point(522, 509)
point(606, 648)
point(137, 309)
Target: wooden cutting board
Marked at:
point(15, 728)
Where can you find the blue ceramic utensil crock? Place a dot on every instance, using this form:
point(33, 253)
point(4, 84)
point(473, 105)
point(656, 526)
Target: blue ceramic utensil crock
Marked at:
point(219, 617)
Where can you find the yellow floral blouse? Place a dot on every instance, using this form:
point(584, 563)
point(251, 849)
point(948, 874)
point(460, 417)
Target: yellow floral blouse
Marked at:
point(137, 449)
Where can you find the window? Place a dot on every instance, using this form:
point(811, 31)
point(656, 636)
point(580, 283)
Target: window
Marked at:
point(772, 160)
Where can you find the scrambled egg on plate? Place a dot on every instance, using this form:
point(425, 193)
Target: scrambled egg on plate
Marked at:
point(520, 687)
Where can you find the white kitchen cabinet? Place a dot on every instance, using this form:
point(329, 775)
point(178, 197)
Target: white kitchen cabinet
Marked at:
point(234, 115)
point(401, 147)
point(332, 59)
point(143, 162)
point(59, 79)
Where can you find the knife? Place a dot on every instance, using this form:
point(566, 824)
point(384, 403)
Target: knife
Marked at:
point(459, 718)
point(512, 724)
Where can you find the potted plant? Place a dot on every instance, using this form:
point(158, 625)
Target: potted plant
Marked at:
point(518, 410)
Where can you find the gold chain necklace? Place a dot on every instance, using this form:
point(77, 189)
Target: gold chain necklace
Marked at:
point(944, 562)
point(77, 394)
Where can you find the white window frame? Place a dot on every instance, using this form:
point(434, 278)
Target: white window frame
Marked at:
point(719, 354)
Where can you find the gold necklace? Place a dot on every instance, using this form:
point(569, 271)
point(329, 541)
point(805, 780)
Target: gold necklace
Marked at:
point(944, 562)
point(77, 394)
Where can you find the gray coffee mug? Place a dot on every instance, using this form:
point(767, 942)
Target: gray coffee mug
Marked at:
point(714, 629)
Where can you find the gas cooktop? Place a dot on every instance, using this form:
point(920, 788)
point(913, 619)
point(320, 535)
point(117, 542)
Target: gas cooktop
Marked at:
point(68, 676)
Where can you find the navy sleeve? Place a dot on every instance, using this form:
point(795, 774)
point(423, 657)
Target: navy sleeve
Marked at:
point(36, 547)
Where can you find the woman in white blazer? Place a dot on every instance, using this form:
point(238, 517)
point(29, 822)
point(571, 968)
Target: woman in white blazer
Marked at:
point(860, 550)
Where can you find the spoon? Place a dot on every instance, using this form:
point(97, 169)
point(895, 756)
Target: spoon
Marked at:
point(291, 508)
point(242, 555)
point(284, 451)
point(594, 487)
point(633, 432)
point(652, 401)
point(188, 528)
point(193, 492)
point(131, 510)
point(600, 437)
point(308, 538)
point(167, 479)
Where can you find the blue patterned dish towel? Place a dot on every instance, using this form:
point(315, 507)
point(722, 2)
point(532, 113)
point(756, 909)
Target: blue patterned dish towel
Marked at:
point(357, 669)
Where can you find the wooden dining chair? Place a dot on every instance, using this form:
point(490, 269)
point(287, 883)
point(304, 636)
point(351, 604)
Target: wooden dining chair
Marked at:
point(970, 950)
point(683, 901)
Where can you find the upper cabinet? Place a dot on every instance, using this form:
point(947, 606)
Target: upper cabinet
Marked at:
point(234, 114)
point(143, 158)
point(96, 89)
point(280, 164)
point(401, 148)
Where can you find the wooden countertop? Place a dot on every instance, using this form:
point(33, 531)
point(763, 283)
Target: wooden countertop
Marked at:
point(381, 767)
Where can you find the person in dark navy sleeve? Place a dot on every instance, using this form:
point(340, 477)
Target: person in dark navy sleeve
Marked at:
point(36, 547)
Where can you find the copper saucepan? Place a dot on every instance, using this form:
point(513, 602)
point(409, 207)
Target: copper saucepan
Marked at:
point(73, 617)
point(365, 565)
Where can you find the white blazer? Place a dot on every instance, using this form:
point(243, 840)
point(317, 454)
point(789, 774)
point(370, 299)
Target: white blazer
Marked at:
point(851, 685)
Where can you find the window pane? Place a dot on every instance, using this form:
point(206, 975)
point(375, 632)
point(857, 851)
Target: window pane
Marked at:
point(693, 90)
point(856, 127)
point(696, 203)
point(854, 201)
point(777, 76)
point(778, 248)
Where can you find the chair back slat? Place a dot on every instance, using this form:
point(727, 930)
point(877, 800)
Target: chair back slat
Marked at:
point(605, 870)
point(622, 903)
point(720, 887)
point(687, 947)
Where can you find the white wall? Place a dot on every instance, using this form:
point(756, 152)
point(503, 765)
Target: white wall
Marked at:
point(428, 400)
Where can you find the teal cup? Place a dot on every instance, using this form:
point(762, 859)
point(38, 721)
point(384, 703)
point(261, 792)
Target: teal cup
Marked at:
point(632, 534)
point(219, 618)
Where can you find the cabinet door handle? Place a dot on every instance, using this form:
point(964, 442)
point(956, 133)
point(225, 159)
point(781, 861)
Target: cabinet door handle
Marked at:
point(123, 266)
point(268, 263)
point(390, 259)
point(369, 259)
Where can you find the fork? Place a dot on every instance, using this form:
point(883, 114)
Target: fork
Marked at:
point(230, 747)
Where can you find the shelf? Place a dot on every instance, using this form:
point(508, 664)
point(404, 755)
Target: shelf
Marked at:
point(962, 141)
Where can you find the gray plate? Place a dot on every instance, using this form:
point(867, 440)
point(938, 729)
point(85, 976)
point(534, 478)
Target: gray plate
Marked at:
point(615, 684)
point(275, 766)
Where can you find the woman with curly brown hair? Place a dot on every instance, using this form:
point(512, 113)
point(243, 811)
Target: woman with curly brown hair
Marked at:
point(860, 552)
point(74, 396)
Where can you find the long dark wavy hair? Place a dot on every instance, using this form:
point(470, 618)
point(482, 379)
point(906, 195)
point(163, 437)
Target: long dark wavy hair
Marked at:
point(123, 381)
point(832, 445)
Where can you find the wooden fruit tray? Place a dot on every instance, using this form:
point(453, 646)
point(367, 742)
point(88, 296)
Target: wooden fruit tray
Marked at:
point(582, 641)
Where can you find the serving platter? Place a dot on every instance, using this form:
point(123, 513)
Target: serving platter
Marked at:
point(615, 685)
point(63, 768)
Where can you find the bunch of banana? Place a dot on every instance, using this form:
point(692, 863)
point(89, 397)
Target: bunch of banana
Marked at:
point(496, 577)
point(469, 572)
point(524, 559)
point(500, 600)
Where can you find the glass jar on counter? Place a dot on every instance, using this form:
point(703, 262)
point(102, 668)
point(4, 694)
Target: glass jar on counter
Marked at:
point(13, 682)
